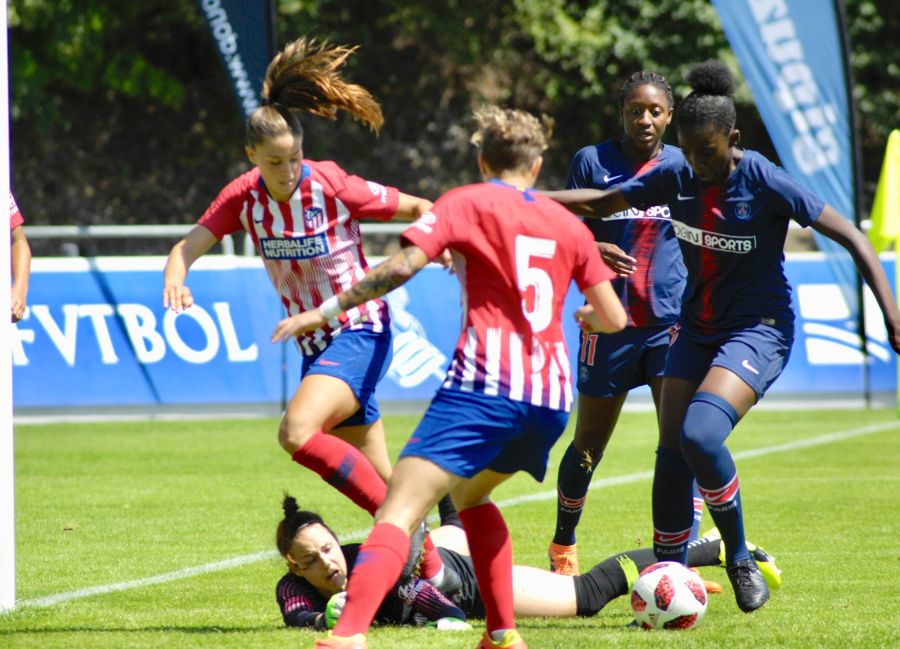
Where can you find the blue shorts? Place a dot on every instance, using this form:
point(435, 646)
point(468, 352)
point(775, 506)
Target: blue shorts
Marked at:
point(611, 364)
point(467, 432)
point(757, 354)
point(360, 358)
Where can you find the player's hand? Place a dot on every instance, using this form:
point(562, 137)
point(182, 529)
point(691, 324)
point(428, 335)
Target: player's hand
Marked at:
point(298, 324)
point(614, 257)
point(446, 260)
point(334, 608)
point(178, 297)
point(17, 304)
point(587, 320)
point(893, 331)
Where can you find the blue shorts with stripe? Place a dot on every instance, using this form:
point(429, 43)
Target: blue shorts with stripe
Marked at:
point(611, 364)
point(360, 358)
point(756, 353)
point(467, 432)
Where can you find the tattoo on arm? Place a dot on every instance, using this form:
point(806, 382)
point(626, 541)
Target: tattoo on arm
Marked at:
point(385, 277)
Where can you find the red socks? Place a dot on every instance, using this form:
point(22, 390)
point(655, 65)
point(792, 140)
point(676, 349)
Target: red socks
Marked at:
point(491, 549)
point(343, 467)
point(378, 566)
point(431, 561)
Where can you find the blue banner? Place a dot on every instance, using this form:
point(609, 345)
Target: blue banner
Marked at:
point(792, 55)
point(95, 336)
point(244, 35)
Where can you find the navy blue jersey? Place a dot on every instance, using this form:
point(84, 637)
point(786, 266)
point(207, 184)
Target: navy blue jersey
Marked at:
point(731, 237)
point(652, 295)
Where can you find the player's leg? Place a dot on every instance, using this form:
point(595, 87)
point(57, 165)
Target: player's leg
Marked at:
point(370, 440)
point(490, 547)
point(317, 406)
point(596, 420)
point(415, 487)
point(338, 388)
point(672, 478)
point(747, 362)
point(721, 400)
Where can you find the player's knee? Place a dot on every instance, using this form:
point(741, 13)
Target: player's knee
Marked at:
point(294, 433)
point(707, 423)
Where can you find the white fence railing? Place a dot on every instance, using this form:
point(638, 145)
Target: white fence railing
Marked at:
point(172, 232)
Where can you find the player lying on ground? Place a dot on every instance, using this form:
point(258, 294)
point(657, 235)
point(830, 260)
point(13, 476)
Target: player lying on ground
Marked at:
point(312, 593)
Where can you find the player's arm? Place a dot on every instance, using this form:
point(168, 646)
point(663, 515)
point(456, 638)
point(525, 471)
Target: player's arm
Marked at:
point(176, 295)
point(20, 255)
point(619, 261)
point(395, 271)
point(593, 203)
point(603, 312)
point(410, 208)
point(834, 226)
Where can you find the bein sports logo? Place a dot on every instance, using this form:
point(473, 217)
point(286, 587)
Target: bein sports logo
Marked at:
point(416, 359)
point(828, 331)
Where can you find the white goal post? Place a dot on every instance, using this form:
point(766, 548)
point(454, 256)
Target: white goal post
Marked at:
point(7, 476)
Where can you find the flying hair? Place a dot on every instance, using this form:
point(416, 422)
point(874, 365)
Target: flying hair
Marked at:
point(306, 76)
point(508, 139)
point(711, 101)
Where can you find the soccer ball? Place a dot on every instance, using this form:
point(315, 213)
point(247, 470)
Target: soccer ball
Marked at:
point(667, 595)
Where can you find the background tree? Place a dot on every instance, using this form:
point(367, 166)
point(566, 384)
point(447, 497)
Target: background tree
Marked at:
point(121, 112)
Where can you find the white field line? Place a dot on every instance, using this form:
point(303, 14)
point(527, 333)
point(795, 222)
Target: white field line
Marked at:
point(51, 600)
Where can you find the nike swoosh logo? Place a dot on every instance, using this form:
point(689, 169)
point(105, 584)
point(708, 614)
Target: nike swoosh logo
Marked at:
point(747, 366)
point(683, 198)
point(334, 364)
point(607, 177)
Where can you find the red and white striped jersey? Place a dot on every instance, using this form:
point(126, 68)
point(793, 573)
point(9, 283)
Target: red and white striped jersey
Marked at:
point(15, 216)
point(515, 252)
point(311, 243)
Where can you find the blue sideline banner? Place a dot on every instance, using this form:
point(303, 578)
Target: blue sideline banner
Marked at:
point(96, 336)
point(792, 54)
point(244, 35)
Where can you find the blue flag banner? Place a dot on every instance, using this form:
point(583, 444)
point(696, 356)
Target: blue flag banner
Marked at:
point(792, 54)
point(244, 35)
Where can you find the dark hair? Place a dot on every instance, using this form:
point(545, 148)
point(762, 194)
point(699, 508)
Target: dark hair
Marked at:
point(305, 76)
point(295, 519)
point(645, 78)
point(711, 101)
point(508, 139)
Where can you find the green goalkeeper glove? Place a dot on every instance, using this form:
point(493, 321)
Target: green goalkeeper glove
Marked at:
point(334, 608)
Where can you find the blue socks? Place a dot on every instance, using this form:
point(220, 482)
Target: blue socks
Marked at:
point(708, 422)
point(673, 510)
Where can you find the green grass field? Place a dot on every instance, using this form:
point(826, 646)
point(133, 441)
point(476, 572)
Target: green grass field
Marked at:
point(160, 534)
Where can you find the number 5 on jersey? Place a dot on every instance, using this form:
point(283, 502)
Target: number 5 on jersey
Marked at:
point(541, 313)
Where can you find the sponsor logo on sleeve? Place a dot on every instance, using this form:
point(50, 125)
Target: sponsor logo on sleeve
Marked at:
point(714, 240)
point(296, 248)
point(425, 222)
point(378, 190)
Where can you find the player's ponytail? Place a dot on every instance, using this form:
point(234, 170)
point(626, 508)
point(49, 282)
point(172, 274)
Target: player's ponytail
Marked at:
point(306, 76)
point(711, 101)
point(295, 519)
